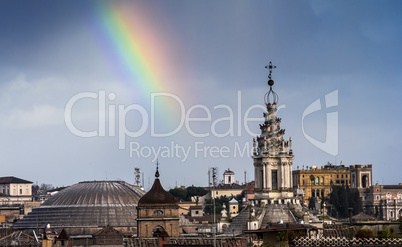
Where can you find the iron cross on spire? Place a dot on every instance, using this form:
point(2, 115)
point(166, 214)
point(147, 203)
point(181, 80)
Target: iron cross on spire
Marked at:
point(270, 67)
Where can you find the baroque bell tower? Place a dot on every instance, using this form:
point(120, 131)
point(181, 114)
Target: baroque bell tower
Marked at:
point(272, 154)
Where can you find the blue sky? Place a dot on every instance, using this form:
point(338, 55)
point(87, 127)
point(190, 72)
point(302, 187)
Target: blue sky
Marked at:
point(50, 52)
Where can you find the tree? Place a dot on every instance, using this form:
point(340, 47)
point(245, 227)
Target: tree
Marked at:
point(189, 193)
point(46, 187)
point(195, 192)
point(180, 194)
point(219, 201)
point(364, 233)
point(311, 203)
point(342, 198)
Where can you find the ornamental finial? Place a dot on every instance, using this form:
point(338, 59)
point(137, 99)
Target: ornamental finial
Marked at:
point(271, 97)
point(157, 169)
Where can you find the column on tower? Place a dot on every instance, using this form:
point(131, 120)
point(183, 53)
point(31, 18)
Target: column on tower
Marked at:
point(269, 182)
point(286, 182)
point(264, 178)
point(290, 174)
point(256, 176)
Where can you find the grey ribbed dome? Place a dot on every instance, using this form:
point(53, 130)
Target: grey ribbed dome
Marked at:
point(96, 193)
point(87, 205)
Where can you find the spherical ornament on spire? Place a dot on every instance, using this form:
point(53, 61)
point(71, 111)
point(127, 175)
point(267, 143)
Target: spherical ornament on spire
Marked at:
point(270, 82)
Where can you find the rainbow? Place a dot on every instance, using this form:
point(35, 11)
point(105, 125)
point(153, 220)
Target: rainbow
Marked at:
point(137, 52)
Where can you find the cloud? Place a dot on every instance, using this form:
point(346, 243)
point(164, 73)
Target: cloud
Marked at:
point(36, 116)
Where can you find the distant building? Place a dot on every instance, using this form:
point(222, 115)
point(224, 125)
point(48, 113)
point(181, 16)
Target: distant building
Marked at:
point(87, 207)
point(383, 201)
point(317, 182)
point(196, 222)
point(361, 176)
point(229, 186)
point(233, 208)
point(15, 198)
point(157, 213)
point(228, 177)
point(15, 190)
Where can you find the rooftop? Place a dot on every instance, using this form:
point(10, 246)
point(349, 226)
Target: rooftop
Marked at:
point(13, 180)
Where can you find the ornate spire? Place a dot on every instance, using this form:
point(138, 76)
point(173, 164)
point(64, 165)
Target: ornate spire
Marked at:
point(157, 169)
point(271, 97)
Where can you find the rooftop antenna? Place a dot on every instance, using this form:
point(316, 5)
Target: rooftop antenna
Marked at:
point(137, 176)
point(245, 177)
point(213, 172)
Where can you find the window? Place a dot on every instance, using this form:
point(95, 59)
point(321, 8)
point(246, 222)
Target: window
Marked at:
point(337, 176)
point(365, 181)
point(303, 182)
point(20, 191)
point(158, 212)
point(322, 180)
point(337, 182)
point(317, 180)
point(312, 193)
point(322, 193)
point(346, 175)
point(342, 176)
point(234, 207)
point(274, 179)
point(377, 197)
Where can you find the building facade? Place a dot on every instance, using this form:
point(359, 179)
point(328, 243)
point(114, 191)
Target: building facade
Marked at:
point(157, 213)
point(228, 187)
point(361, 176)
point(15, 190)
point(317, 181)
point(382, 201)
point(228, 177)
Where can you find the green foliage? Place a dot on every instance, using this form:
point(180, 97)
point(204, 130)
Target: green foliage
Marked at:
point(364, 233)
point(311, 203)
point(282, 238)
point(388, 232)
point(195, 192)
point(295, 235)
point(219, 201)
point(180, 194)
point(188, 193)
point(400, 225)
point(342, 198)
